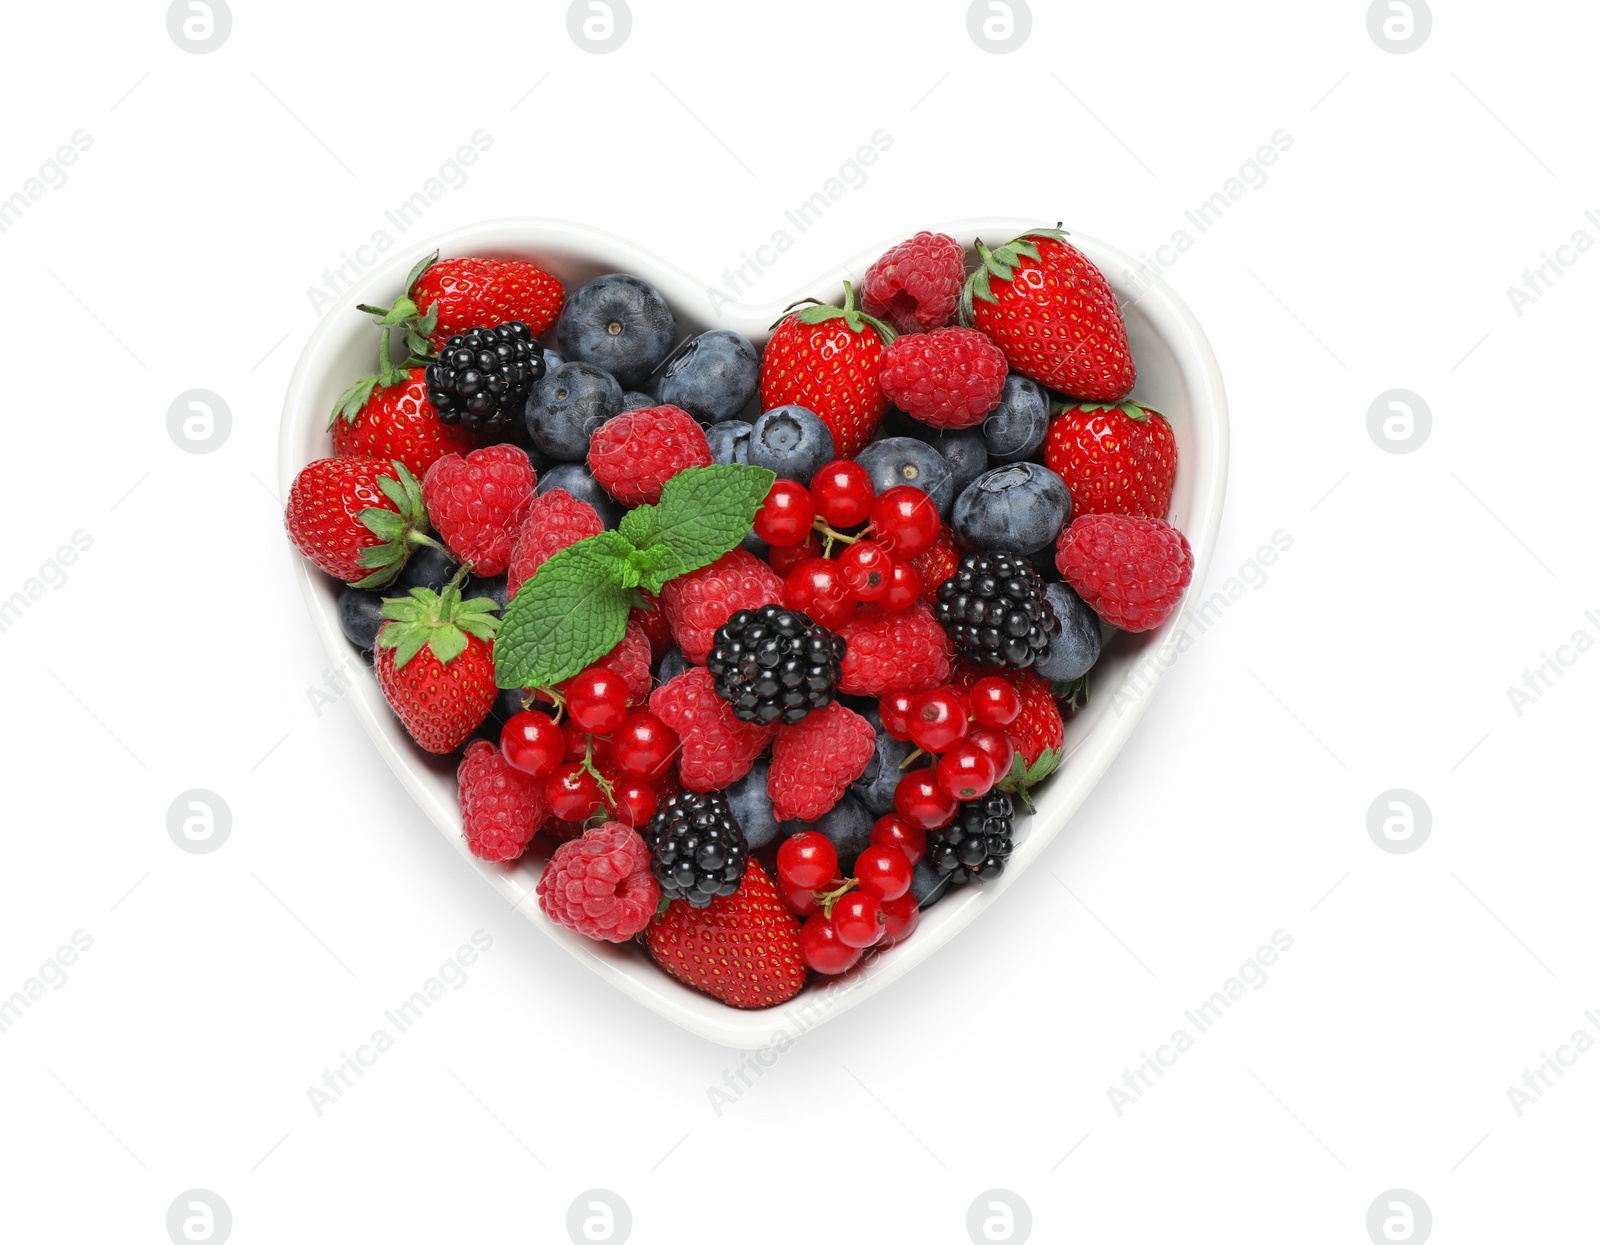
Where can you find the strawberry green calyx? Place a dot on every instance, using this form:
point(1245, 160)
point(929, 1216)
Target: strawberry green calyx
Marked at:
point(1074, 693)
point(1002, 262)
point(397, 530)
point(1023, 778)
point(416, 328)
point(440, 622)
point(1135, 411)
point(855, 319)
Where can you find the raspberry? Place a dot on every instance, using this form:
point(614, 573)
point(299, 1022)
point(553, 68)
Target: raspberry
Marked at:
point(635, 453)
point(908, 651)
point(916, 285)
point(478, 503)
point(815, 761)
point(937, 564)
point(630, 659)
point(949, 378)
point(718, 749)
point(600, 885)
point(701, 601)
point(555, 520)
point(501, 807)
point(1131, 571)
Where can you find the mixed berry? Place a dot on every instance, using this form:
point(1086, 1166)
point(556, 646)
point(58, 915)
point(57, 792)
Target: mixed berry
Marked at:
point(760, 649)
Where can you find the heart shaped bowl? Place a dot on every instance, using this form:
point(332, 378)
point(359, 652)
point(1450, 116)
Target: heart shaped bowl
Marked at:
point(1178, 376)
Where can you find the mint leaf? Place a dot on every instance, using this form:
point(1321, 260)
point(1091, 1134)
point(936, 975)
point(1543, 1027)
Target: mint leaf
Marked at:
point(703, 513)
point(572, 612)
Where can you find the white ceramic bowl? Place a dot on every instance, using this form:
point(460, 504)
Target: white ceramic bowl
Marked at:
point(1177, 375)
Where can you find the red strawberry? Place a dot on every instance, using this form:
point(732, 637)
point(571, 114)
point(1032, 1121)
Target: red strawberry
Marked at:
point(449, 296)
point(1115, 459)
point(828, 360)
point(478, 503)
point(742, 948)
point(1053, 315)
point(1038, 733)
point(436, 664)
point(356, 518)
point(392, 418)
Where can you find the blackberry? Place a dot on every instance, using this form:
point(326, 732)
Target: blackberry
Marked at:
point(697, 850)
point(976, 845)
point(483, 377)
point(995, 610)
point(774, 665)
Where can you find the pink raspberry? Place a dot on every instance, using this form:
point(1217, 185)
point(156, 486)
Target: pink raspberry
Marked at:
point(501, 808)
point(478, 503)
point(630, 659)
point(635, 453)
point(555, 520)
point(815, 761)
point(698, 603)
point(600, 884)
point(949, 378)
point(890, 652)
point(1131, 571)
point(718, 749)
point(916, 286)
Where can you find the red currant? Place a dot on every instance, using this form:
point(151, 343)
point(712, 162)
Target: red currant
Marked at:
point(900, 917)
point(966, 771)
point(581, 744)
point(808, 860)
point(997, 744)
point(532, 743)
point(597, 700)
point(822, 948)
point(922, 801)
point(785, 518)
point(892, 830)
point(784, 558)
point(994, 702)
point(866, 569)
point(905, 586)
point(573, 793)
point(883, 872)
point(643, 746)
point(857, 920)
point(843, 492)
point(938, 719)
point(634, 801)
point(905, 521)
point(798, 900)
point(817, 588)
point(892, 710)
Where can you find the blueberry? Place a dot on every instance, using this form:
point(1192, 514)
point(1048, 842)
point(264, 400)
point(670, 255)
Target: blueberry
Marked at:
point(619, 323)
point(875, 787)
point(428, 567)
point(754, 544)
point(752, 808)
point(578, 480)
point(567, 406)
point(673, 663)
point(1077, 648)
point(1016, 428)
point(506, 705)
point(360, 616)
point(967, 454)
point(791, 441)
point(905, 460)
point(552, 360)
point(847, 825)
point(1020, 507)
point(633, 400)
point(713, 377)
point(928, 885)
point(494, 589)
point(730, 442)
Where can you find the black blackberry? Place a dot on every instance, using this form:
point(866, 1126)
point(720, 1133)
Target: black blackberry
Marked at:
point(774, 665)
point(483, 377)
point(995, 611)
point(697, 850)
point(976, 845)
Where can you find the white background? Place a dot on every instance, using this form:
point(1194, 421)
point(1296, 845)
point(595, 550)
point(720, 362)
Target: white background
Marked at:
point(1377, 653)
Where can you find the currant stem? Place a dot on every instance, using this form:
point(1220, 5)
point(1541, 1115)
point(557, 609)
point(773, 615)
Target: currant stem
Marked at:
point(827, 899)
point(918, 753)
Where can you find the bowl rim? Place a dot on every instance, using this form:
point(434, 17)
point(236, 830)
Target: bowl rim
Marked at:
point(1170, 318)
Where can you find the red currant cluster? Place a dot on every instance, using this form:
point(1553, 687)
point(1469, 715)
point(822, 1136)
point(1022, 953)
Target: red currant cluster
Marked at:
point(602, 759)
point(845, 916)
point(803, 526)
point(965, 731)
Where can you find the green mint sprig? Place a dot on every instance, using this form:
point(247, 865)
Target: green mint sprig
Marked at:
point(575, 608)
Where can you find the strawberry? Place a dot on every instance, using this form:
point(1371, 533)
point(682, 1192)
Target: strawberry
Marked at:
point(356, 518)
point(389, 416)
point(445, 297)
point(1053, 315)
point(742, 948)
point(1115, 459)
point(1038, 733)
point(435, 664)
point(828, 360)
